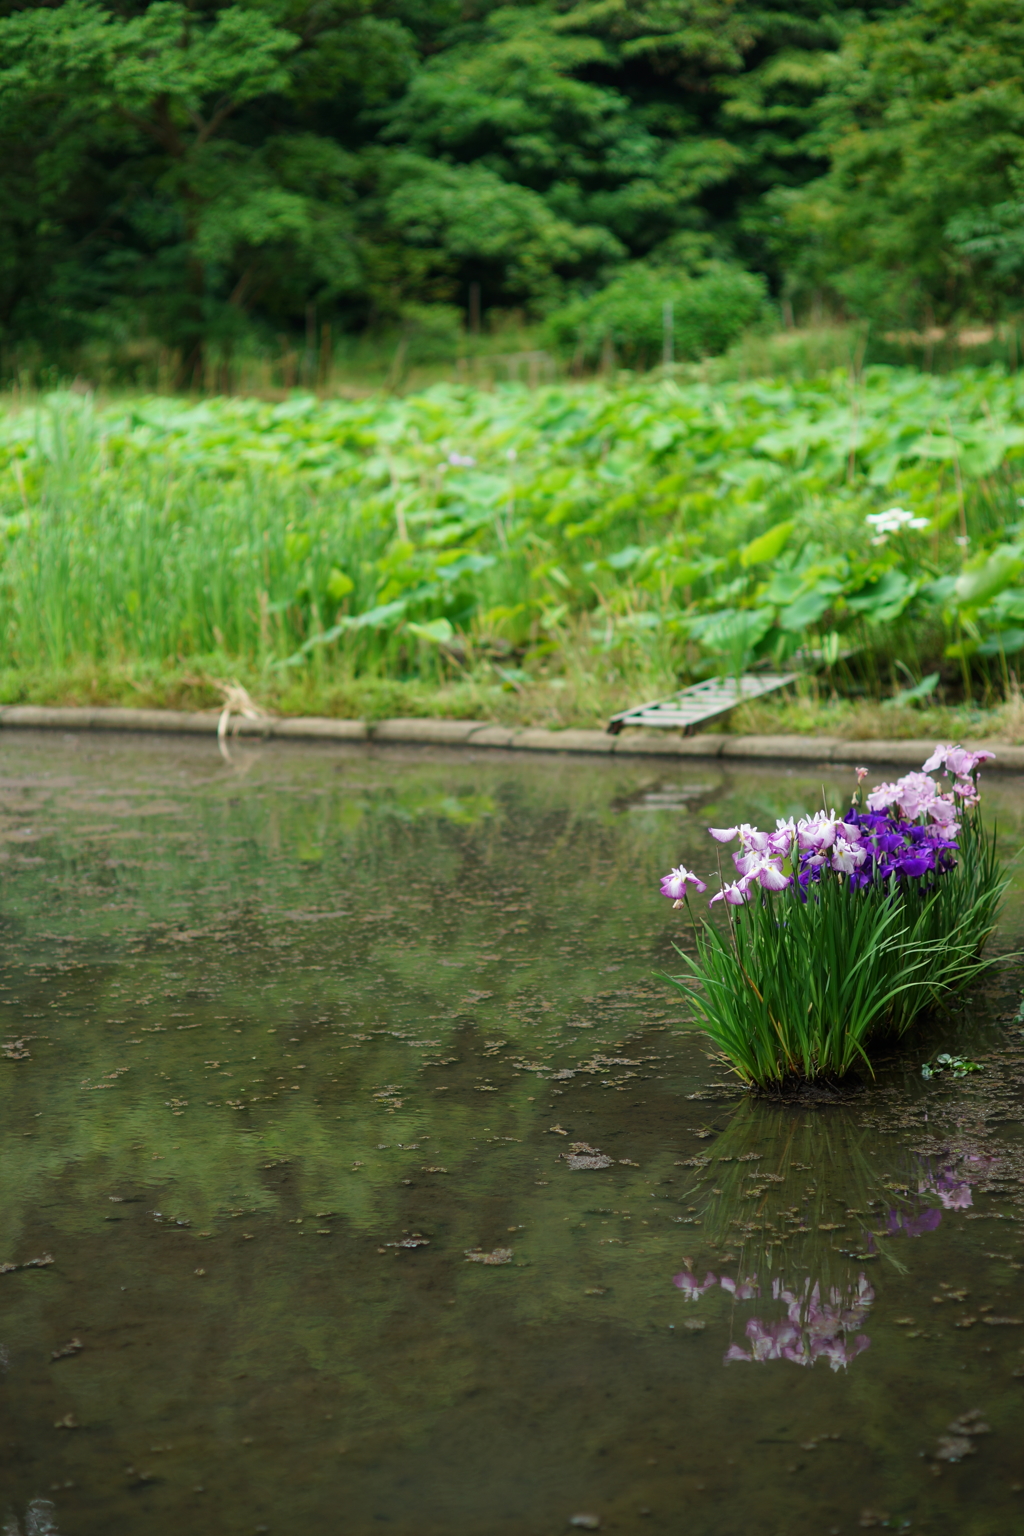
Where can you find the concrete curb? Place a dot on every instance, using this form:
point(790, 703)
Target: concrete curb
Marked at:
point(821, 750)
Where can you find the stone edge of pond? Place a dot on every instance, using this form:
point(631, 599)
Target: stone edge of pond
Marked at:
point(480, 733)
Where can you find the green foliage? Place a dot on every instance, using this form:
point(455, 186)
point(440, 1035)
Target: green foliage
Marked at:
point(796, 990)
point(136, 125)
point(663, 528)
point(442, 216)
point(956, 1066)
point(643, 307)
point(245, 172)
point(967, 902)
point(767, 546)
point(918, 217)
point(507, 93)
point(800, 988)
point(988, 575)
point(199, 180)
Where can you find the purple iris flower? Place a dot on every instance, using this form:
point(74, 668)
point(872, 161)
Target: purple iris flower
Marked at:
point(897, 1222)
point(908, 832)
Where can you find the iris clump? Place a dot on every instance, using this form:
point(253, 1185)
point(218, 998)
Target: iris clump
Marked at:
point(842, 929)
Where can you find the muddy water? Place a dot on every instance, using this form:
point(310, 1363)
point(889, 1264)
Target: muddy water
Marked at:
point(360, 1178)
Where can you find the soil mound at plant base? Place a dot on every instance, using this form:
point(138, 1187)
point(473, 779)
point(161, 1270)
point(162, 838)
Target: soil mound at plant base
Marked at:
point(817, 1090)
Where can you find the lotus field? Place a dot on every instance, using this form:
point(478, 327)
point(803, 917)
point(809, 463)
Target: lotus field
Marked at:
point(659, 529)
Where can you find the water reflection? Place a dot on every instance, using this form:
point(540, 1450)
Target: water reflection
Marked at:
point(802, 1201)
point(346, 1138)
point(813, 1328)
point(39, 1521)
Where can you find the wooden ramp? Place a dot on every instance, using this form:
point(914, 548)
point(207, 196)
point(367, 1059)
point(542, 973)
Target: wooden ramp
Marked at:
point(702, 702)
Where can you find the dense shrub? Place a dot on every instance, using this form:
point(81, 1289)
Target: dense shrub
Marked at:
point(632, 314)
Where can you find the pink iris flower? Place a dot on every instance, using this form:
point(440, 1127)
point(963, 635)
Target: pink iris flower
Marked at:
point(960, 762)
point(780, 842)
point(882, 796)
point(956, 760)
point(937, 759)
point(751, 838)
point(944, 813)
point(818, 832)
point(800, 851)
point(916, 793)
point(673, 885)
point(768, 874)
point(766, 871)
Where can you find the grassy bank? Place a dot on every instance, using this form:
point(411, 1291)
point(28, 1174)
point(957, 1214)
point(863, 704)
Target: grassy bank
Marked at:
point(579, 703)
point(543, 555)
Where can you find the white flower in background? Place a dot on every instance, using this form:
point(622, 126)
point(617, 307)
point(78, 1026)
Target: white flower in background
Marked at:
point(893, 521)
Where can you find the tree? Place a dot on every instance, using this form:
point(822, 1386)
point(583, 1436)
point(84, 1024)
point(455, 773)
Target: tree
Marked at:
point(195, 208)
point(444, 217)
point(207, 170)
point(923, 121)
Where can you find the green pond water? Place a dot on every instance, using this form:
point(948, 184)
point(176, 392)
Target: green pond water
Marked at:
point(375, 1187)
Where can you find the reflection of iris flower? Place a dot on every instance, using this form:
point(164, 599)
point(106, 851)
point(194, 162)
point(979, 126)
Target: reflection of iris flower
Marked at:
point(691, 1287)
point(899, 1224)
point(772, 1202)
point(744, 1291)
point(957, 1197)
point(777, 1342)
point(951, 1187)
point(953, 1191)
point(812, 1329)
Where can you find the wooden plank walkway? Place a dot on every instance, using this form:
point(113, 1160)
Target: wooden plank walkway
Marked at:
point(705, 701)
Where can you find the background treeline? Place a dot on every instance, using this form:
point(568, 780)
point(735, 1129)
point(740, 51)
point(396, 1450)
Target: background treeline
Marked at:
point(187, 181)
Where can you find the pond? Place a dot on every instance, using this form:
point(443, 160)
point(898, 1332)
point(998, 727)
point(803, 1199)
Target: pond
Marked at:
point(357, 1175)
